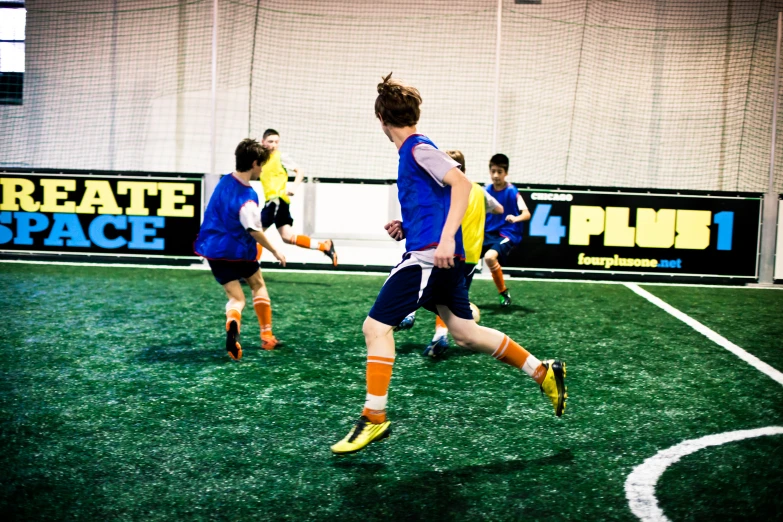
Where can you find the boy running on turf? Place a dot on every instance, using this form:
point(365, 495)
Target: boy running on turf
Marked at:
point(277, 193)
point(433, 195)
point(227, 239)
point(503, 232)
point(479, 203)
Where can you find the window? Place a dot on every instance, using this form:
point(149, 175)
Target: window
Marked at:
point(13, 16)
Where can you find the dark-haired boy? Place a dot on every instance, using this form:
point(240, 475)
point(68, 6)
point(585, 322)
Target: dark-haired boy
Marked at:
point(502, 231)
point(227, 239)
point(277, 193)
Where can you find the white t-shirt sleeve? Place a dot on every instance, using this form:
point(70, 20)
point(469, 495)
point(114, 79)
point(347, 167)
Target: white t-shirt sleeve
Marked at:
point(288, 163)
point(436, 162)
point(250, 216)
point(491, 203)
point(521, 205)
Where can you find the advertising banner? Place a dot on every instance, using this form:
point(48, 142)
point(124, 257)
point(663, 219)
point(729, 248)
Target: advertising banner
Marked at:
point(100, 214)
point(641, 233)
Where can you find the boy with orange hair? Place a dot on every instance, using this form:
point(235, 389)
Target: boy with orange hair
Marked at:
point(277, 193)
point(227, 239)
point(433, 194)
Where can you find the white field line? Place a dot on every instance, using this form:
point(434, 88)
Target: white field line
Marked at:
point(640, 484)
point(485, 276)
point(721, 341)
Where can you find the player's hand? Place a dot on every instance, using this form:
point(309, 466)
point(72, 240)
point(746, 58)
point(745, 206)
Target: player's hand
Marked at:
point(510, 219)
point(444, 254)
point(280, 257)
point(394, 229)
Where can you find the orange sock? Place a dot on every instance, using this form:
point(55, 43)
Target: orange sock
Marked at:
point(263, 308)
point(379, 372)
point(232, 314)
point(511, 353)
point(301, 241)
point(306, 242)
point(497, 276)
point(439, 322)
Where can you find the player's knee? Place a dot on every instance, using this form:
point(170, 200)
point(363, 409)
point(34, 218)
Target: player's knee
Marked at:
point(465, 336)
point(491, 256)
point(373, 329)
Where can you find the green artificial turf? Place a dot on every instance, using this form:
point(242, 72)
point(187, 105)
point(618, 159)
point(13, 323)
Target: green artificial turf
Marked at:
point(117, 401)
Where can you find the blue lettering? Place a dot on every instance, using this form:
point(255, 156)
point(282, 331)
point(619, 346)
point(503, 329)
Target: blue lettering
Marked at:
point(27, 223)
point(725, 222)
point(66, 226)
point(140, 231)
point(550, 227)
point(98, 231)
point(6, 234)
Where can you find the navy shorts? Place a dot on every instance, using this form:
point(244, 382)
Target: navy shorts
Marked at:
point(277, 213)
point(415, 283)
point(501, 245)
point(227, 271)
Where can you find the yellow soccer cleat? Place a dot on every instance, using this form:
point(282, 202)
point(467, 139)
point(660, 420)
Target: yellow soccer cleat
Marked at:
point(554, 386)
point(361, 435)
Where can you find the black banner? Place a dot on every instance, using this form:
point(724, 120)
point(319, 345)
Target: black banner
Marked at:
point(666, 234)
point(107, 214)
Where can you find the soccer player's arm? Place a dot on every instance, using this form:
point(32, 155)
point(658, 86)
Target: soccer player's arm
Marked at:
point(491, 204)
point(524, 213)
point(250, 217)
point(460, 193)
point(290, 166)
point(445, 171)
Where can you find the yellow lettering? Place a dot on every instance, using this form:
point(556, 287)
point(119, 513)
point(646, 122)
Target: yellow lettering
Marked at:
point(137, 189)
point(98, 193)
point(617, 232)
point(655, 229)
point(52, 195)
point(693, 229)
point(173, 194)
point(585, 222)
point(21, 190)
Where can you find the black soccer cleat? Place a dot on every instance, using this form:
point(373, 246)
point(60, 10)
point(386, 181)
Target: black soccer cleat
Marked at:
point(331, 253)
point(505, 298)
point(233, 347)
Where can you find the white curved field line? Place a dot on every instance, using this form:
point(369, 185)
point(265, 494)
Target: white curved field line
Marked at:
point(640, 484)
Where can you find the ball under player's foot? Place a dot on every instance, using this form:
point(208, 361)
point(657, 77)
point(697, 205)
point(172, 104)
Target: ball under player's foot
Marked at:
point(505, 298)
point(554, 385)
point(233, 347)
point(330, 252)
point(406, 323)
point(437, 346)
point(270, 342)
point(363, 433)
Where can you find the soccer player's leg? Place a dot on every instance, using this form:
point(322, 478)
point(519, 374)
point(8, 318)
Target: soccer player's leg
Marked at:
point(372, 425)
point(283, 220)
point(492, 259)
point(234, 306)
point(549, 375)
point(440, 341)
point(398, 297)
point(263, 308)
